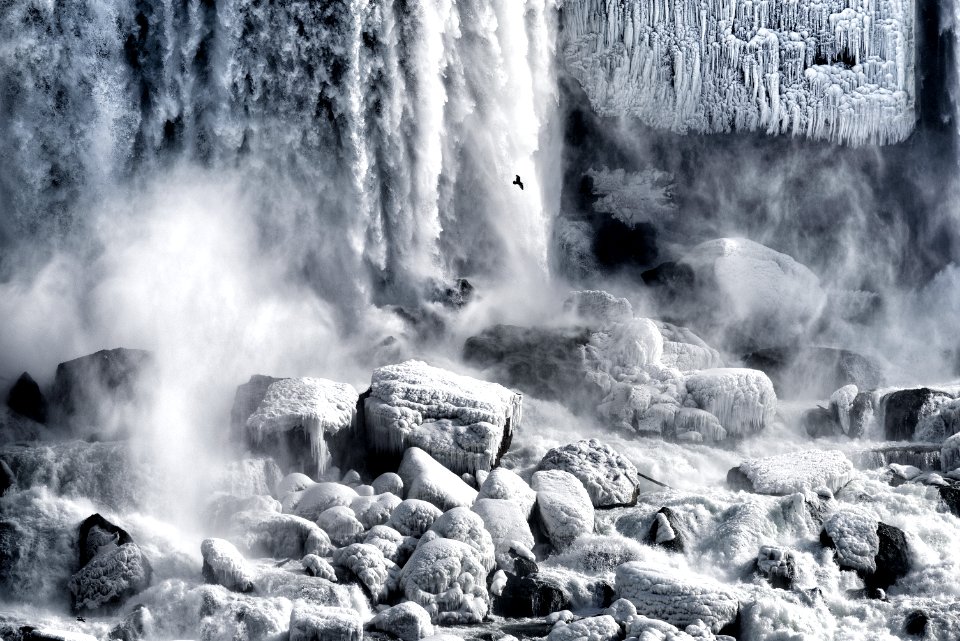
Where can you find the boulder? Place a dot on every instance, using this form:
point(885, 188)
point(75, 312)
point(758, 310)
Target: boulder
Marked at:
point(532, 595)
point(376, 509)
point(461, 524)
point(407, 621)
point(26, 399)
point(820, 422)
point(246, 400)
point(505, 484)
point(426, 479)
point(320, 497)
point(309, 622)
point(742, 399)
point(97, 534)
point(293, 482)
point(413, 517)
point(392, 544)
point(785, 474)
point(341, 525)
point(224, 565)
point(449, 580)
point(110, 578)
point(388, 482)
point(609, 478)
point(951, 498)
point(667, 531)
point(564, 507)
point(599, 628)
point(282, 536)
point(853, 409)
point(778, 566)
point(464, 423)
point(815, 372)
point(134, 626)
point(507, 526)
point(372, 569)
point(319, 567)
point(874, 550)
point(904, 409)
point(598, 308)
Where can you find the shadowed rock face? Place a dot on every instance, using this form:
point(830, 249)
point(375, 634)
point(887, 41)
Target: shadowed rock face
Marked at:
point(26, 399)
point(903, 410)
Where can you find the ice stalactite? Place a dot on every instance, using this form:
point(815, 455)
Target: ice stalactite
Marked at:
point(825, 69)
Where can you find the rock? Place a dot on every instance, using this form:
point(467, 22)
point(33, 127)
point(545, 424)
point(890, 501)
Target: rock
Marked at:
point(685, 351)
point(449, 580)
point(563, 505)
point(742, 399)
point(679, 600)
point(778, 565)
point(599, 628)
point(292, 585)
point(785, 474)
point(392, 544)
point(406, 621)
point(310, 622)
point(224, 565)
point(341, 525)
point(388, 482)
point(925, 456)
point(504, 484)
point(375, 510)
point(368, 564)
point(320, 497)
point(110, 578)
point(94, 393)
point(461, 524)
point(598, 308)
point(951, 497)
point(853, 409)
point(667, 531)
point(464, 423)
point(950, 453)
point(670, 280)
point(820, 422)
point(426, 479)
point(134, 625)
point(533, 595)
point(815, 372)
point(245, 402)
point(904, 409)
point(507, 526)
point(915, 623)
point(282, 536)
point(26, 399)
point(293, 482)
point(295, 411)
point(413, 517)
point(874, 550)
point(319, 567)
point(609, 478)
point(96, 535)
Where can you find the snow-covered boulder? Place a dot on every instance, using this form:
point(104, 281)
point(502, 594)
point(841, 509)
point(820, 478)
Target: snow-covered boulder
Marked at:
point(319, 567)
point(461, 524)
point(676, 597)
point(407, 621)
point(318, 407)
point(341, 525)
point(609, 478)
point(449, 580)
point(111, 577)
point(505, 484)
point(778, 565)
point(293, 482)
point(464, 423)
point(309, 622)
point(284, 536)
point(413, 517)
point(320, 497)
point(598, 308)
point(388, 482)
point(224, 565)
point(667, 531)
point(905, 410)
point(564, 506)
point(508, 528)
point(742, 399)
point(394, 546)
point(426, 479)
point(950, 453)
point(246, 400)
point(599, 628)
point(368, 564)
point(684, 350)
point(376, 509)
point(785, 474)
point(876, 551)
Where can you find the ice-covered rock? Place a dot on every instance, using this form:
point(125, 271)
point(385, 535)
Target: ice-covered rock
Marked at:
point(309, 622)
point(368, 564)
point(778, 565)
point(462, 524)
point(531, 595)
point(609, 478)
point(110, 578)
point(223, 564)
point(293, 584)
point(284, 536)
point(598, 308)
point(426, 479)
point(697, 426)
point(319, 567)
point(508, 528)
point(904, 410)
point(676, 597)
point(598, 628)
point(950, 453)
point(876, 551)
point(685, 351)
point(564, 506)
point(293, 482)
point(413, 517)
point(464, 423)
point(823, 71)
point(667, 531)
point(375, 510)
point(795, 472)
point(246, 400)
point(341, 525)
point(407, 621)
point(505, 484)
point(320, 497)
point(394, 546)
point(742, 399)
point(319, 407)
point(449, 580)
point(388, 482)
point(25, 398)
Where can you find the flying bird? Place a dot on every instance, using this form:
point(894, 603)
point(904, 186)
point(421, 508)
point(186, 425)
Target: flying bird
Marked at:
point(81, 620)
point(518, 182)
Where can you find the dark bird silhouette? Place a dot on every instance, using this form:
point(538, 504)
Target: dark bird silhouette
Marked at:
point(81, 620)
point(518, 182)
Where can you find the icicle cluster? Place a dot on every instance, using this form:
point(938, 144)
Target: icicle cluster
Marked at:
point(839, 70)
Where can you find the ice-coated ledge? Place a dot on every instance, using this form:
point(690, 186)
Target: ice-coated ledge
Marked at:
point(823, 69)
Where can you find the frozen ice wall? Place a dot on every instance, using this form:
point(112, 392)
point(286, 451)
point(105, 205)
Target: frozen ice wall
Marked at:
point(841, 70)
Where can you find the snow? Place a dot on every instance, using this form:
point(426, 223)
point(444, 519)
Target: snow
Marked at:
point(600, 628)
point(609, 478)
point(407, 621)
point(110, 577)
point(278, 535)
point(505, 484)
point(950, 453)
point(690, 423)
point(376, 509)
point(565, 508)
point(369, 565)
point(425, 478)
point(743, 400)
point(309, 622)
point(320, 406)
point(223, 564)
point(460, 421)
point(320, 497)
point(388, 482)
point(319, 567)
point(293, 482)
point(724, 66)
point(413, 517)
point(462, 524)
point(678, 598)
point(341, 525)
point(449, 580)
point(798, 471)
point(507, 526)
point(854, 534)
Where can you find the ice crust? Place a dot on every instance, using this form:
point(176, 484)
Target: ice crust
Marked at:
point(426, 479)
point(223, 564)
point(798, 471)
point(368, 564)
point(407, 621)
point(599, 628)
point(505, 484)
point(565, 508)
point(743, 400)
point(824, 70)
point(609, 478)
point(110, 577)
point(309, 622)
point(449, 580)
point(854, 534)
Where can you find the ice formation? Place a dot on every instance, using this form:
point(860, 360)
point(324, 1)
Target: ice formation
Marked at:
point(463, 422)
point(507, 526)
point(822, 70)
point(319, 567)
point(413, 517)
point(223, 564)
point(854, 534)
point(599, 628)
point(950, 453)
point(426, 479)
point(407, 621)
point(743, 400)
point(322, 496)
point(341, 525)
point(319, 406)
point(368, 564)
point(376, 509)
point(110, 577)
point(309, 622)
point(808, 470)
point(284, 536)
point(609, 478)
point(449, 580)
point(506, 484)
point(564, 506)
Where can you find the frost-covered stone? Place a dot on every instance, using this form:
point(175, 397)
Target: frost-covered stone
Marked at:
point(319, 567)
point(375, 510)
point(407, 621)
point(609, 478)
point(426, 479)
point(904, 410)
point(676, 597)
point(368, 564)
point(778, 565)
point(564, 506)
point(464, 423)
point(388, 482)
point(110, 578)
point(309, 622)
point(392, 544)
point(876, 551)
point(413, 517)
point(598, 308)
point(950, 453)
point(695, 425)
point(449, 580)
point(505, 484)
point(667, 531)
point(823, 71)
point(246, 400)
point(508, 528)
point(341, 525)
point(318, 406)
point(293, 482)
point(462, 524)
point(283, 536)
point(320, 497)
point(224, 565)
point(685, 351)
point(599, 628)
point(794, 472)
point(222, 507)
point(742, 399)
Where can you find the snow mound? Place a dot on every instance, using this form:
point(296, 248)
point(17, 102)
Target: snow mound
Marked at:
point(600, 628)
point(284, 536)
point(508, 527)
point(388, 482)
point(319, 406)
point(319, 567)
point(685, 351)
point(426, 479)
point(368, 564)
point(341, 525)
point(309, 622)
point(463, 422)
point(504, 484)
point(680, 599)
point(950, 453)
point(449, 580)
point(743, 400)
point(854, 535)
point(320, 497)
point(609, 478)
point(461, 524)
point(110, 578)
point(224, 565)
point(565, 508)
point(808, 470)
point(376, 509)
point(407, 621)
point(413, 517)
point(293, 482)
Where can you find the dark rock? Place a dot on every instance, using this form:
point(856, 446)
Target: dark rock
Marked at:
point(246, 401)
point(915, 623)
point(820, 422)
point(859, 414)
point(674, 279)
point(815, 371)
point(603, 594)
point(26, 399)
point(531, 596)
point(893, 559)
point(867, 593)
point(673, 540)
point(524, 567)
point(951, 496)
point(133, 626)
point(903, 409)
point(778, 565)
point(97, 532)
point(737, 480)
point(110, 578)
point(456, 295)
